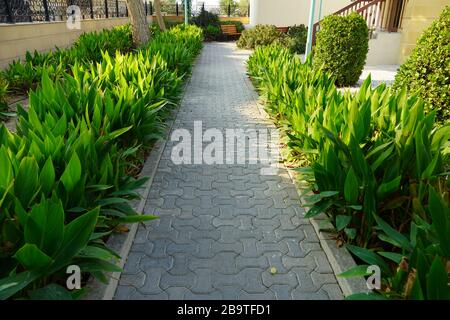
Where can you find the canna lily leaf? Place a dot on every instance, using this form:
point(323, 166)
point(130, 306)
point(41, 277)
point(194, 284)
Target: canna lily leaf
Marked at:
point(52, 291)
point(13, 284)
point(437, 281)
point(357, 271)
point(351, 187)
point(342, 222)
point(27, 182)
point(72, 174)
point(47, 176)
point(32, 258)
point(394, 236)
point(369, 257)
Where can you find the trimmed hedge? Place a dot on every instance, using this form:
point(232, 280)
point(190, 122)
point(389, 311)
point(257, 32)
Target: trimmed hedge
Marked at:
point(427, 70)
point(342, 47)
point(260, 35)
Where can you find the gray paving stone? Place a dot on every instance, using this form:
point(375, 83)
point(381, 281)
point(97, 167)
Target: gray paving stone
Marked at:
point(221, 227)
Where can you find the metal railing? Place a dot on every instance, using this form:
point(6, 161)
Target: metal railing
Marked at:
point(379, 14)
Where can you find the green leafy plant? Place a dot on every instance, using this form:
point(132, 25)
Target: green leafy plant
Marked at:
point(342, 47)
point(298, 35)
point(427, 71)
point(211, 32)
point(375, 165)
point(260, 35)
point(68, 174)
point(3, 94)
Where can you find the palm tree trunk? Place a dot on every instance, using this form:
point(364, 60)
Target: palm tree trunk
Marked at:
point(159, 17)
point(139, 23)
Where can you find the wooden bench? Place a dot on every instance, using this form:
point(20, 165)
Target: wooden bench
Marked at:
point(283, 29)
point(229, 30)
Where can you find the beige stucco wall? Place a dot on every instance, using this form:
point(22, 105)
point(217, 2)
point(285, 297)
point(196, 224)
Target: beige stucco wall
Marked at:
point(384, 49)
point(283, 13)
point(418, 15)
point(16, 39)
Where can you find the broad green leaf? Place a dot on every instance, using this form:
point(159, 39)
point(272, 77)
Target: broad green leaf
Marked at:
point(72, 173)
point(318, 209)
point(437, 281)
point(440, 213)
point(5, 169)
point(98, 265)
point(76, 236)
point(136, 218)
point(98, 253)
point(357, 271)
point(369, 257)
point(47, 176)
point(342, 221)
point(32, 258)
point(27, 182)
point(45, 226)
point(396, 237)
point(396, 257)
point(387, 188)
point(13, 284)
point(52, 291)
point(351, 187)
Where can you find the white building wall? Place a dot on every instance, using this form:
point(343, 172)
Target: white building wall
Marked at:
point(284, 13)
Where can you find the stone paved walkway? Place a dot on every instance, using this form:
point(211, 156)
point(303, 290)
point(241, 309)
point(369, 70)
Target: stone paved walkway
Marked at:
point(223, 227)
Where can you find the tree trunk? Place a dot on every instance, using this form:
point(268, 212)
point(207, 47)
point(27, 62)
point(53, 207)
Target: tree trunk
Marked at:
point(159, 17)
point(139, 23)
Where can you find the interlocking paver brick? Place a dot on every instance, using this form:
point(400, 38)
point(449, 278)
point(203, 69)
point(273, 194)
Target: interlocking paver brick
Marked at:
point(221, 227)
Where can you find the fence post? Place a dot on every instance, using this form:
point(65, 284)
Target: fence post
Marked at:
point(229, 10)
point(10, 17)
point(151, 8)
point(146, 7)
point(176, 8)
point(117, 8)
point(91, 7)
point(47, 16)
point(106, 9)
point(248, 11)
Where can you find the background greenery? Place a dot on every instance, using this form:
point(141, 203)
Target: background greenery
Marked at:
point(427, 70)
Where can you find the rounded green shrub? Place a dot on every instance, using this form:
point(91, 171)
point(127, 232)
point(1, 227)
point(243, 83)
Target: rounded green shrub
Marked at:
point(427, 70)
point(260, 35)
point(342, 47)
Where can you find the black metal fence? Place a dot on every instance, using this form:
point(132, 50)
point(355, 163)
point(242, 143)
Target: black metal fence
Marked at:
point(13, 11)
point(223, 10)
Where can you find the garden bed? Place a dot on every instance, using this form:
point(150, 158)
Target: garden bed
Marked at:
point(82, 143)
point(375, 162)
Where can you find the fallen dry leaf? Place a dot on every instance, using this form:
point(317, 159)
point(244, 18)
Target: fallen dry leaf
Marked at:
point(121, 229)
